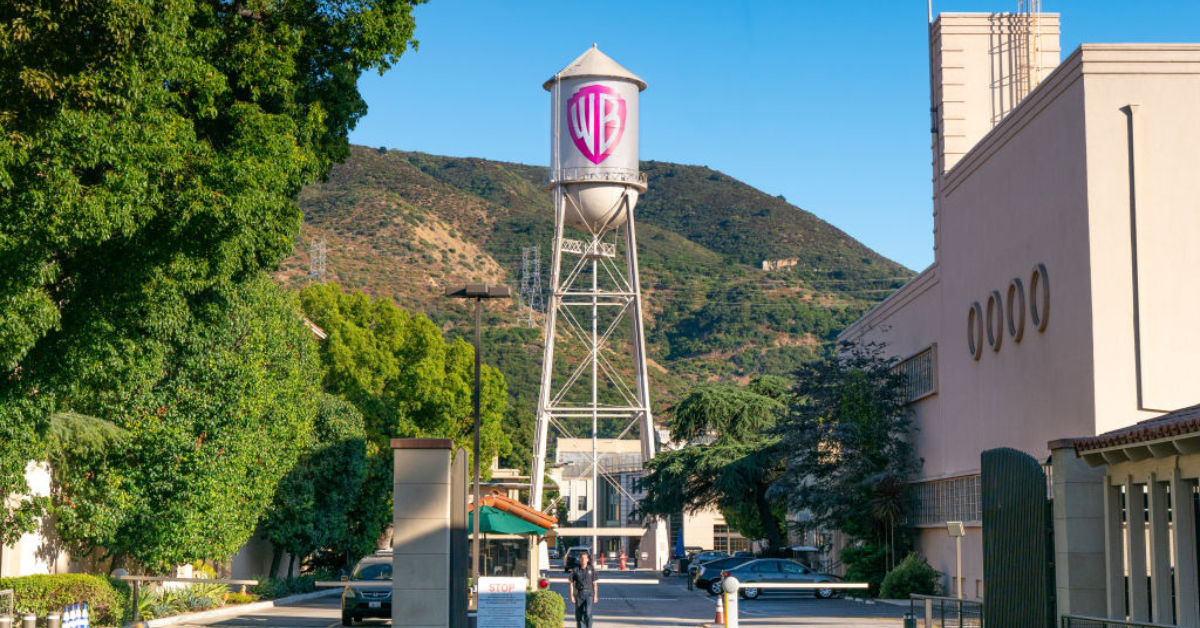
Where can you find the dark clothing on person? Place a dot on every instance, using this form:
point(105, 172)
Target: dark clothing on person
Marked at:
point(582, 583)
point(583, 611)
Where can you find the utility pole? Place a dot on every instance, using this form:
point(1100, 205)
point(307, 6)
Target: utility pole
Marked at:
point(316, 261)
point(479, 292)
point(531, 286)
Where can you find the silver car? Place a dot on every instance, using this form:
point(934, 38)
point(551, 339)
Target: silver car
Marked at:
point(779, 571)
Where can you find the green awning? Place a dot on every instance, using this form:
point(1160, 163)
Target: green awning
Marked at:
point(499, 522)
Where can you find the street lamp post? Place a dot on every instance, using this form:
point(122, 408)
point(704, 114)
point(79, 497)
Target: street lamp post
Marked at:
point(479, 292)
point(955, 528)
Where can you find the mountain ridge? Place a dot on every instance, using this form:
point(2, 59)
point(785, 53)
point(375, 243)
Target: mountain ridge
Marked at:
point(402, 224)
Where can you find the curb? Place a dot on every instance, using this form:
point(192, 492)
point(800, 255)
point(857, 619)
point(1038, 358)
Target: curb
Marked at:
point(240, 609)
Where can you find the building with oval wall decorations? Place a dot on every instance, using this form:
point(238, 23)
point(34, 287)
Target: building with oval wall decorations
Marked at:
point(1066, 275)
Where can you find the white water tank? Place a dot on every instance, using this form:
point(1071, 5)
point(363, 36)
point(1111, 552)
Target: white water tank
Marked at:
point(594, 135)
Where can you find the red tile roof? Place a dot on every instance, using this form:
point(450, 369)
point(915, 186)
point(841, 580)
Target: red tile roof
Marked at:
point(1177, 423)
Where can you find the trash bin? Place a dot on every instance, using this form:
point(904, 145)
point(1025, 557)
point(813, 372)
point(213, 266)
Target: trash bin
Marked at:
point(684, 564)
point(910, 620)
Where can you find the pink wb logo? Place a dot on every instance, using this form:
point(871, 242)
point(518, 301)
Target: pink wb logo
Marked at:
point(596, 116)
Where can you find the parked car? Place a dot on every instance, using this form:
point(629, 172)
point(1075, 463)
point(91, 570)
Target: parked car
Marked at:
point(360, 602)
point(708, 578)
point(572, 560)
point(706, 556)
point(554, 552)
point(743, 554)
point(775, 571)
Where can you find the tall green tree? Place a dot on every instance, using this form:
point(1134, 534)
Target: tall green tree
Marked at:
point(313, 507)
point(200, 450)
point(730, 461)
point(151, 153)
point(847, 433)
point(399, 371)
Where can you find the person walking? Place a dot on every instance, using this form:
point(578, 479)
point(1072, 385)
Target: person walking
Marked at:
point(584, 593)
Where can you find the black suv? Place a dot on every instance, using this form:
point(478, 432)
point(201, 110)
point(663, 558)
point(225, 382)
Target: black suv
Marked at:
point(360, 602)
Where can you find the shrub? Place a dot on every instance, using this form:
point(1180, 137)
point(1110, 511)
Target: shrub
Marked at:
point(240, 598)
point(272, 588)
point(912, 575)
point(544, 609)
point(866, 562)
point(107, 598)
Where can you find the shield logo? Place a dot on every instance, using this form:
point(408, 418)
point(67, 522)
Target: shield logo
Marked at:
point(596, 117)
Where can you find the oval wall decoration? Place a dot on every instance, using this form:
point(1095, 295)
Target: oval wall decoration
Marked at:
point(975, 330)
point(995, 320)
point(1039, 297)
point(1016, 313)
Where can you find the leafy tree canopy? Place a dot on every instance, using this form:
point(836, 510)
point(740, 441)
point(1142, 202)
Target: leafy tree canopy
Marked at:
point(400, 372)
point(202, 449)
point(730, 461)
point(847, 435)
point(152, 151)
point(314, 504)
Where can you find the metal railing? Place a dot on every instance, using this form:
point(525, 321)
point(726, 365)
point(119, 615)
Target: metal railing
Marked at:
point(12, 601)
point(1082, 621)
point(932, 611)
point(590, 174)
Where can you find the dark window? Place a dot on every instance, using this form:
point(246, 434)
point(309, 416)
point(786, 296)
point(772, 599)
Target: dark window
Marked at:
point(374, 571)
point(765, 566)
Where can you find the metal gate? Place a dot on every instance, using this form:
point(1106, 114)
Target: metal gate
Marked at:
point(1018, 551)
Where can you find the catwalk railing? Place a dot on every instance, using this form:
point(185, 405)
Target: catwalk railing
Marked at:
point(932, 611)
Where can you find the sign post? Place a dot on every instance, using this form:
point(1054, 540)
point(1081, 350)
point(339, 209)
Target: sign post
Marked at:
point(501, 603)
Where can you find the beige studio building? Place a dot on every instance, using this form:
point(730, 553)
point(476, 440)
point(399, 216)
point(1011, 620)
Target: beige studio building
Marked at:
point(1063, 298)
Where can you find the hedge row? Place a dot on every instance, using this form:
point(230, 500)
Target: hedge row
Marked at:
point(107, 598)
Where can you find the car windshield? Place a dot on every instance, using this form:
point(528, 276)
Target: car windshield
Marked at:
point(373, 571)
point(726, 563)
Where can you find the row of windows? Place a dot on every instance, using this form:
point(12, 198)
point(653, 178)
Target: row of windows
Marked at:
point(935, 503)
point(727, 540)
point(919, 372)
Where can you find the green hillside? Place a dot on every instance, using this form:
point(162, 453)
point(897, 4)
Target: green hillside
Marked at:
point(402, 224)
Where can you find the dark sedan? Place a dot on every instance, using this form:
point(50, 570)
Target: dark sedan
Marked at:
point(779, 571)
point(709, 576)
point(360, 602)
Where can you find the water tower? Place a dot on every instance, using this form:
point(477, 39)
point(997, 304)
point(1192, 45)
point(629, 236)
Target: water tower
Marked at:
point(594, 368)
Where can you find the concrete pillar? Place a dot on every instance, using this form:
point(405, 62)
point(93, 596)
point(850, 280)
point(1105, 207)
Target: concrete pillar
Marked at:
point(421, 540)
point(1187, 604)
point(1078, 532)
point(1114, 551)
point(1160, 553)
point(1135, 548)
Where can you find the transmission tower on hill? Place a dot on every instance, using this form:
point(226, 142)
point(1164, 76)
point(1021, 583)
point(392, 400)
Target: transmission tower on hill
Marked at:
point(531, 286)
point(316, 261)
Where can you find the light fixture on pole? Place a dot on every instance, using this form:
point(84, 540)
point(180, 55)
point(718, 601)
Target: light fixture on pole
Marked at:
point(955, 528)
point(479, 292)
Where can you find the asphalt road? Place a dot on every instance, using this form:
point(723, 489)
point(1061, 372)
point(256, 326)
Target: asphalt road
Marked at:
point(624, 604)
point(669, 603)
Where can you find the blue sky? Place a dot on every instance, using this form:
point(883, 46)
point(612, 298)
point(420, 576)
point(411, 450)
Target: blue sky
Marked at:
point(826, 103)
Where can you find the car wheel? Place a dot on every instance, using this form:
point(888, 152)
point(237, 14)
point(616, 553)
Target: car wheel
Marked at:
point(347, 619)
point(824, 594)
point(666, 573)
point(749, 593)
point(715, 587)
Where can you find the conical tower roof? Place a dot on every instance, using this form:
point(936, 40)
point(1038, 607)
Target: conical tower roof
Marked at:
point(594, 63)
